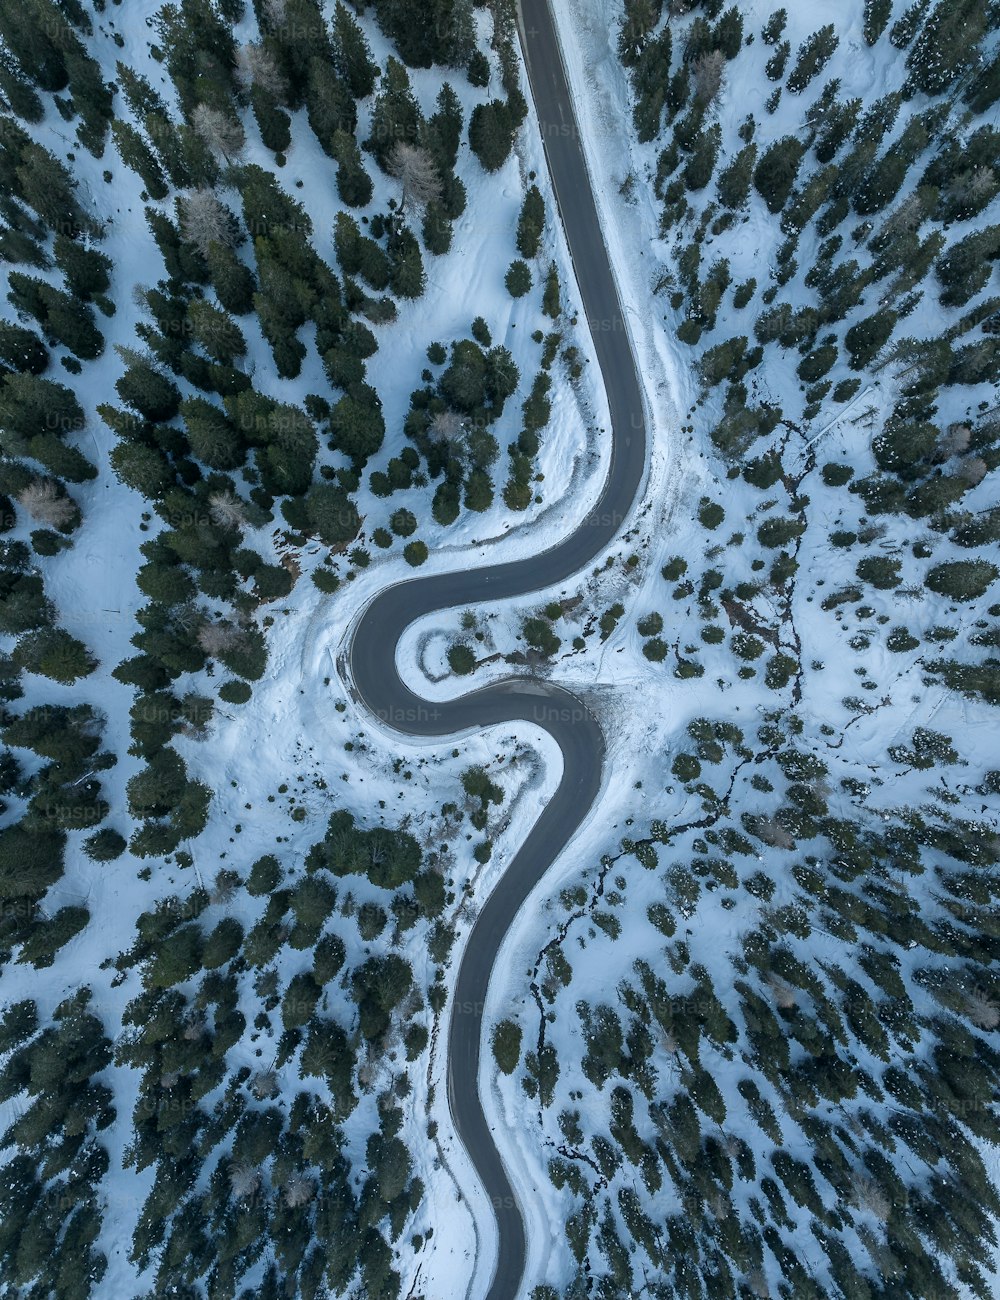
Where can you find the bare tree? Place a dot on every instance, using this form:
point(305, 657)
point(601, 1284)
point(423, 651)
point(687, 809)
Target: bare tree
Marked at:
point(971, 186)
point(226, 510)
point(955, 440)
point(449, 427)
point(220, 132)
point(784, 995)
point(708, 70)
point(244, 1180)
point(264, 1084)
point(414, 168)
point(867, 1195)
point(44, 503)
point(972, 470)
point(907, 216)
point(981, 1010)
point(217, 638)
point(257, 68)
point(205, 220)
point(299, 1190)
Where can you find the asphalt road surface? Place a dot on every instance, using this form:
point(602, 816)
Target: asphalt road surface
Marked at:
point(372, 652)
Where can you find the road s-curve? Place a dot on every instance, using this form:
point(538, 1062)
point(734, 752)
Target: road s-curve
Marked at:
point(372, 650)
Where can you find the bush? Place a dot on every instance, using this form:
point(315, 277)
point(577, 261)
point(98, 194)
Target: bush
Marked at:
point(415, 553)
point(710, 513)
point(900, 640)
point(837, 475)
point(962, 580)
point(235, 692)
point(104, 845)
point(655, 650)
point(686, 767)
point(881, 572)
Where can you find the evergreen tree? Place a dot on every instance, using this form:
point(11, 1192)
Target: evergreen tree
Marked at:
point(64, 316)
point(395, 116)
point(429, 31)
point(233, 282)
point(22, 350)
point(136, 154)
point(356, 424)
point(354, 185)
point(531, 223)
point(774, 175)
point(87, 271)
point(353, 56)
point(53, 653)
point(407, 269)
point(37, 37)
point(866, 339)
point(444, 130)
point(18, 91)
point(734, 180)
point(329, 105)
point(491, 133)
point(877, 15)
point(813, 55)
point(947, 45)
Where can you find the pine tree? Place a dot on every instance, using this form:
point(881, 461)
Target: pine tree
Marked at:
point(491, 133)
point(813, 55)
point(353, 56)
point(47, 187)
point(531, 223)
point(774, 175)
point(329, 105)
point(551, 305)
point(37, 37)
point(947, 45)
point(734, 180)
point(22, 350)
point(395, 116)
point(273, 122)
point(407, 278)
point(444, 130)
point(429, 31)
point(136, 154)
point(357, 428)
point(87, 271)
point(232, 281)
point(18, 91)
point(354, 185)
point(54, 653)
point(877, 15)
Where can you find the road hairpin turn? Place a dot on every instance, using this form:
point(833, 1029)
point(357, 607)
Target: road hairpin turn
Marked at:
point(372, 653)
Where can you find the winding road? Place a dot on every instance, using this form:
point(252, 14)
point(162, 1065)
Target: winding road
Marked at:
point(372, 652)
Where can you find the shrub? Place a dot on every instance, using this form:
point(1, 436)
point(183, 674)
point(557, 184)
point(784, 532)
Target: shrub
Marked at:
point(900, 640)
point(878, 570)
point(415, 553)
point(710, 513)
point(962, 580)
point(835, 475)
point(104, 845)
point(235, 692)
